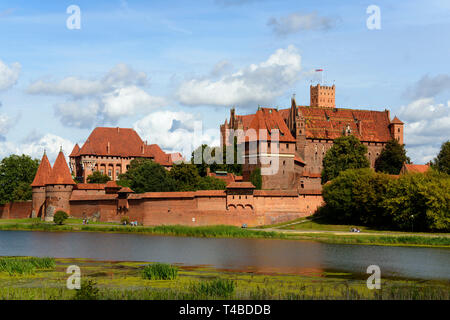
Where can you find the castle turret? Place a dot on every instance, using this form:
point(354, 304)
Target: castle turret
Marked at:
point(396, 128)
point(322, 96)
point(59, 188)
point(38, 187)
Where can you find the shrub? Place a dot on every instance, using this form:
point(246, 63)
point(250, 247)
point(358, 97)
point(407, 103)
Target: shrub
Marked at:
point(125, 220)
point(88, 291)
point(256, 178)
point(223, 288)
point(160, 271)
point(60, 217)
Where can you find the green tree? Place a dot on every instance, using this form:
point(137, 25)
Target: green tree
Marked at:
point(346, 153)
point(16, 175)
point(356, 197)
point(442, 161)
point(186, 176)
point(256, 178)
point(145, 175)
point(98, 177)
point(211, 183)
point(391, 158)
point(60, 217)
point(420, 202)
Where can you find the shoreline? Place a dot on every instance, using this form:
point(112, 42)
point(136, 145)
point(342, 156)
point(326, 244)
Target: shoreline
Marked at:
point(221, 231)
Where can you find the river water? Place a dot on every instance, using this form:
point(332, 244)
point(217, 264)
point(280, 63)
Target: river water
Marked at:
point(257, 255)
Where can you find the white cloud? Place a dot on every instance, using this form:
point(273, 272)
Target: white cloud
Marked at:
point(129, 101)
point(428, 86)
point(257, 83)
point(174, 131)
point(116, 94)
point(35, 148)
point(9, 75)
point(427, 126)
point(5, 124)
point(296, 22)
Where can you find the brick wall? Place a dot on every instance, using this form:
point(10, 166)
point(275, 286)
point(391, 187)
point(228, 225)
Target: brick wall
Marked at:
point(16, 210)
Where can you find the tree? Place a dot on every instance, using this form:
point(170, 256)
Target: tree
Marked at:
point(98, 177)
point(145, 175)
point(442, 161)
point(186, 176)
point(60, 217)
point(256, 178)
point(211, 183)
point(391, 158)
point(356, 197)
point(346, 153)
point(16, 175)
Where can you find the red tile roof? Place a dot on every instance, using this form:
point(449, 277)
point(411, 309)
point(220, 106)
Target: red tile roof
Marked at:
point(329, 123)
point(125, 190)
point(43, 173)
point(121, 142)
point(88, 197)
point(112, 184)
point(298, 159)
point(75, 151)
point(396, 120)
point(269, 119)
point(60, 172)
point(89, 186)
point(240, 185)
point(416, 168)
point(275, 193)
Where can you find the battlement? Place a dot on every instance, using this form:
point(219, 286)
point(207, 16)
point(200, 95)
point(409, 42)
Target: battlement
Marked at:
point(322, 96)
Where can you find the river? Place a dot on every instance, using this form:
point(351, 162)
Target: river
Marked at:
point(257, 255)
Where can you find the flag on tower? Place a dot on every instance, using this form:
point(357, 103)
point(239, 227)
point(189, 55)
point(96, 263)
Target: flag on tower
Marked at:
point(317, 70)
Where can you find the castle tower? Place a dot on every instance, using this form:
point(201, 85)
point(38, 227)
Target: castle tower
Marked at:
point(396, 128)
point(38, 187)
point(59, 188)
point(322, 96)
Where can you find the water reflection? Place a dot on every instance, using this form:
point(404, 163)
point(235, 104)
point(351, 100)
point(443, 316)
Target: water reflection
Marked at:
point(256, 255)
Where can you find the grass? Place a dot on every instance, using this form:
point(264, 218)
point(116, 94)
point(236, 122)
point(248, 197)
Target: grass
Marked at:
point(109, 280)
point(25, 265)
point(160, 271)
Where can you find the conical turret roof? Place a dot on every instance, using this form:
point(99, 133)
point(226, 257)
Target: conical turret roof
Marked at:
point(75, 151)
point(43, 173)
point(60, 172)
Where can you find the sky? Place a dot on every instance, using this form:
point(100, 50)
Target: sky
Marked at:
point(160, 66)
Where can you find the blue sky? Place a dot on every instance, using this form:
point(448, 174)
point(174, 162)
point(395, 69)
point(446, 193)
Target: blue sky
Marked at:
point(157, 66)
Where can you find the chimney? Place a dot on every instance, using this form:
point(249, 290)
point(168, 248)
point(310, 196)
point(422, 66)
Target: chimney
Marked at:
point(108, 148)
point(118, 130)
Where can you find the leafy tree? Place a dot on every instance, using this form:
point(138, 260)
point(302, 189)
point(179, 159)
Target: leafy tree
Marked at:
point(145, 175)
point(442, 161)
point(186, 176)
point(211, 183)
point(98, 177)
point(88, 291)
point(256, 178)
point(60, 217)
point(16, 175)
point(346, 153)
point(391, 158)
point(420, 202)
point(356, 197)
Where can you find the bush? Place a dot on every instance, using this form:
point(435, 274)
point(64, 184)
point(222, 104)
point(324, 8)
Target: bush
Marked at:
point(125, 220)
point(60, 217)
point(160, 271)
point(256, 178)
point(88, 291)
point(98, 177)
point(223, 288)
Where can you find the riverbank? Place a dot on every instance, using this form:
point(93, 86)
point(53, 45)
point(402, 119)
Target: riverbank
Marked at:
point(123, 281)
point(283, 231)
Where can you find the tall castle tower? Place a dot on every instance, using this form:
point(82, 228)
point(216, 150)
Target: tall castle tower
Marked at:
point(396, 128)
point(322, 96)
point(58, 188)
point(38, 187)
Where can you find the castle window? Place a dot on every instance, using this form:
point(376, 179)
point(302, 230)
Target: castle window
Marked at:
point(398, 130)
point(287, 146)
point(109, 172)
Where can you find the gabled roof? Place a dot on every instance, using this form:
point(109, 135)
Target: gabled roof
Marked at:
point(121, 142)
point(75, 151)
point(241, 185)
point(43, 173)
point(416, 168)
point(268, 119)
point(60, 172)
point(125, 190)
point(396, 121)
point(329, 123)
point(112, 184)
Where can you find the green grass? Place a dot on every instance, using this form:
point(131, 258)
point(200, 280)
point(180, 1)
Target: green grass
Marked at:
point(25, 265)
point(105, 280)
point(160, 271)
